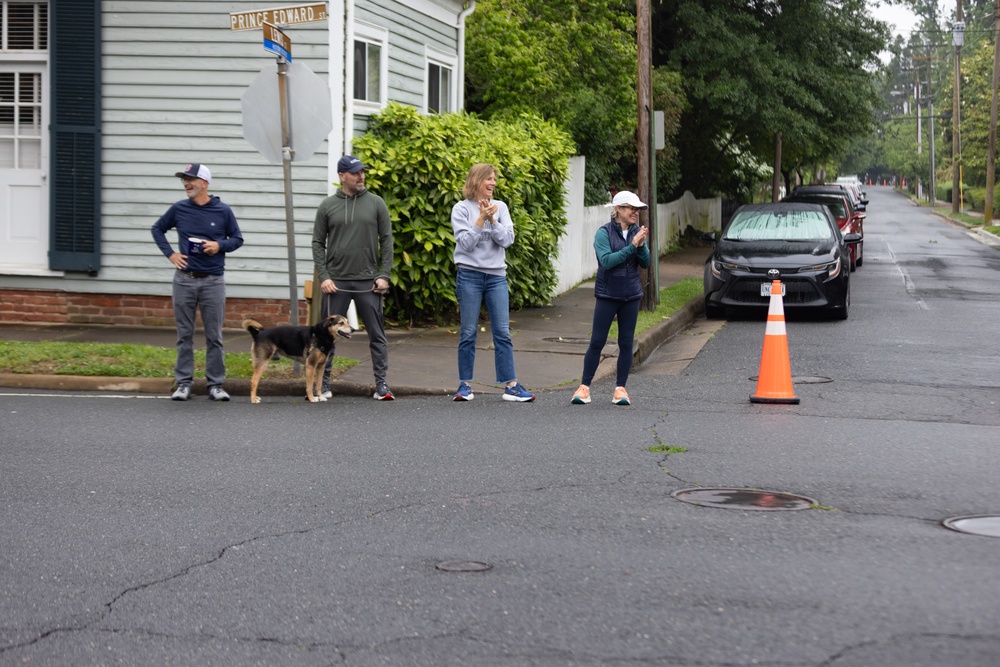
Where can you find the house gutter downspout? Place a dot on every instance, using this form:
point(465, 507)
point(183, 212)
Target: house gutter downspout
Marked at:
point(470, 7)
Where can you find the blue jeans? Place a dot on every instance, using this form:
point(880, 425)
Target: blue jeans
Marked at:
point(605, 311)
point(209, 296)
point(472, 288)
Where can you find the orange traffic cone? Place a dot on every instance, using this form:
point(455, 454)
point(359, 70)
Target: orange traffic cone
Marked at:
point(774, 382)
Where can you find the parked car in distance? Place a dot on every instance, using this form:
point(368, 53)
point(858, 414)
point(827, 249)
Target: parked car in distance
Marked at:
point(848, 218)
point(797, 243)
point(856, 184)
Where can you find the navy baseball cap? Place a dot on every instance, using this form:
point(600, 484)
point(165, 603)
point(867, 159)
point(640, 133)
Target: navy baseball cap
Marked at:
point(349, 164)
point(195, 170)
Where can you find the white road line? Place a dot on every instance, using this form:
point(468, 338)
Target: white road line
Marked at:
point(911, 289)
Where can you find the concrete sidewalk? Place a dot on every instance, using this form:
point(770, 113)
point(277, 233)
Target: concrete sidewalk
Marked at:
point(549, 344)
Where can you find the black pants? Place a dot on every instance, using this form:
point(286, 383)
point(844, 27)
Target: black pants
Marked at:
point(369, 306)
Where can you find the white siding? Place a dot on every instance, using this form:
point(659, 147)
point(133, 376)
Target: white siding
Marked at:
point(171, 95)
point(173, 75)
point(410, 32)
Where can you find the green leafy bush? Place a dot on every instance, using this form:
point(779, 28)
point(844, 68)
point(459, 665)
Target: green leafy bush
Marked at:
point(418, 164)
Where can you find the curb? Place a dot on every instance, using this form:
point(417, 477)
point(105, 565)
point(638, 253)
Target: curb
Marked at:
point(652, 338)
point(645, 344)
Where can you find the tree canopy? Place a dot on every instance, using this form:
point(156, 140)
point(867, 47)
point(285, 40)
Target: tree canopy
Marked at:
point(805, 68)
point(572, 61)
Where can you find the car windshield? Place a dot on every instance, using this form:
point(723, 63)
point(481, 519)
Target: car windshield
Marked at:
point(778, 226)
point(836, 205)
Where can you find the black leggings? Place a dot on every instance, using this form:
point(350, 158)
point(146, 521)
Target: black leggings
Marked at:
point(604, 313)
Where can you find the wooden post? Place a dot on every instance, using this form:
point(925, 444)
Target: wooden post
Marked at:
point(991, 160)
point(776, 179)
point(956, 145)
point(646, 187)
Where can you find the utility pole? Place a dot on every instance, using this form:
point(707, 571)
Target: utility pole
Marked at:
point(920, 145)
point(776, 179)
point(991, 160)
point(932, 196)
point(646, 187)
point(957, 38)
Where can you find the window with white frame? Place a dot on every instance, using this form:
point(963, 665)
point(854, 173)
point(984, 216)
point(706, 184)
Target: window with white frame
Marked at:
point(441, 92)
point(23, 50)
point(371, 65)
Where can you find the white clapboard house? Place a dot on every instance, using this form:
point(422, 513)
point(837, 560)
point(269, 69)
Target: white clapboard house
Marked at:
point(102, 101)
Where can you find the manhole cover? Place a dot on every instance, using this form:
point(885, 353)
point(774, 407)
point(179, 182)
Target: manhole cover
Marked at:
point(463, 566)
point(744, 499)
point(803, 379)
point(984, 524)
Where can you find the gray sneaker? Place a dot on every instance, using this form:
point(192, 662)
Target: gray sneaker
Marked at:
point(182, 393)
point(218, 394)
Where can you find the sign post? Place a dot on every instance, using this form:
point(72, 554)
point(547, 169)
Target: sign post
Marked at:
point(276, 42)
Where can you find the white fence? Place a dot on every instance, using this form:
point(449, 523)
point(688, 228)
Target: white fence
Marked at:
point(576, 261)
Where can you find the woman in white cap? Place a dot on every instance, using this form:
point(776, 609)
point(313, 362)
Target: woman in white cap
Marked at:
point(621, 251)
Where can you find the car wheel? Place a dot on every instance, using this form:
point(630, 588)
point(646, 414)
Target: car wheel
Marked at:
point(714, 312)
point(861, 253)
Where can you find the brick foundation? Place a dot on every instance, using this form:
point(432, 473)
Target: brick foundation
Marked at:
point(51, 307)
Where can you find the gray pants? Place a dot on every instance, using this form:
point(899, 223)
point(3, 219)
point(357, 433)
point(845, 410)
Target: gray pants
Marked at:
point(369, 306)
point(209, 295)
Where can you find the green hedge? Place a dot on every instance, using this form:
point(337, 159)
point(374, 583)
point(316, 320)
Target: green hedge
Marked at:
point(418, 164)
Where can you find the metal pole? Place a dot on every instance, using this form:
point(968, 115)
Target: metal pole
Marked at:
point(286, 163)
point(991, 160)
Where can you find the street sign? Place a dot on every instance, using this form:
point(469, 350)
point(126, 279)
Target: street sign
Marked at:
point(255, 19)
point(277, 42)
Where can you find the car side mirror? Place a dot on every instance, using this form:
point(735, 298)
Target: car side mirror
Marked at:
point(853, 238)
point(708, 237)
point(863, 206)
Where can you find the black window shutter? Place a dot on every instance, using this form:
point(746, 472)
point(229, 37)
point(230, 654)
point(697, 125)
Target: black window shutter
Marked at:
point(75, 134)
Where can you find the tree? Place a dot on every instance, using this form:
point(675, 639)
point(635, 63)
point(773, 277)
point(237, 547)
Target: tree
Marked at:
point(571, 61)
point(805, 68)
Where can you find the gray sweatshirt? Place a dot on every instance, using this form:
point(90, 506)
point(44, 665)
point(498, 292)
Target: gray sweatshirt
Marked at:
point(481, 249)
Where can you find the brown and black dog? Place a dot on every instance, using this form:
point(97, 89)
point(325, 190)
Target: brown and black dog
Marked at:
point(308, 345)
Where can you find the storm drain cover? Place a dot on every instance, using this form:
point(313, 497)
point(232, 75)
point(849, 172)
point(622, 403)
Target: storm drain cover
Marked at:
point(744, 499)
point(568, 340)
point(803, 379)
point(984, 524)
point(463, 566)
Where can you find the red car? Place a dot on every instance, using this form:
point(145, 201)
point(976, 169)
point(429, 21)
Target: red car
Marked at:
point(841, 206)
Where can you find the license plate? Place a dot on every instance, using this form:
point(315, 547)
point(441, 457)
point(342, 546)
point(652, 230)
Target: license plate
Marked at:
point(765, 289)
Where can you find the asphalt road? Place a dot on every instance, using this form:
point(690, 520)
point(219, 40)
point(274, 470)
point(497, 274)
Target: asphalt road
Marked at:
point(141, 531)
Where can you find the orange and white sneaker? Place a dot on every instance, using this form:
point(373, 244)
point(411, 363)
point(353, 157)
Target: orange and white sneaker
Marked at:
point(582, 395)
point(621, 397)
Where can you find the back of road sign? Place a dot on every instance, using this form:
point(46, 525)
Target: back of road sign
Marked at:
point(309, 108)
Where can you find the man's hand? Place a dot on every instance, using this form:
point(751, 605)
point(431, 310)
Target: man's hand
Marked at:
point(178, 260)
point(328, 287)
point(381, 286)
point(210, 247)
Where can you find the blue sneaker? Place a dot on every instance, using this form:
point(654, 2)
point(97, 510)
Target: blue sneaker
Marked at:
point(518, 393)
point(464, 392)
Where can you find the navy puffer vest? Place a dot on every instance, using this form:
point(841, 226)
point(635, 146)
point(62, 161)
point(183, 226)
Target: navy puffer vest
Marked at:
point(622, 282)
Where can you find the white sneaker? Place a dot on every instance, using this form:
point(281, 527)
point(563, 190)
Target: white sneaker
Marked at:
point(326, 394)
point(182, 393)
point(218, 394)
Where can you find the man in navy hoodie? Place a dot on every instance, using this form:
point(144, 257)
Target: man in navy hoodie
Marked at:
point(206, 231)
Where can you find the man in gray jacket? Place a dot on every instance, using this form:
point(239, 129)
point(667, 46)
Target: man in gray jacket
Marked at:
point(352, 252)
